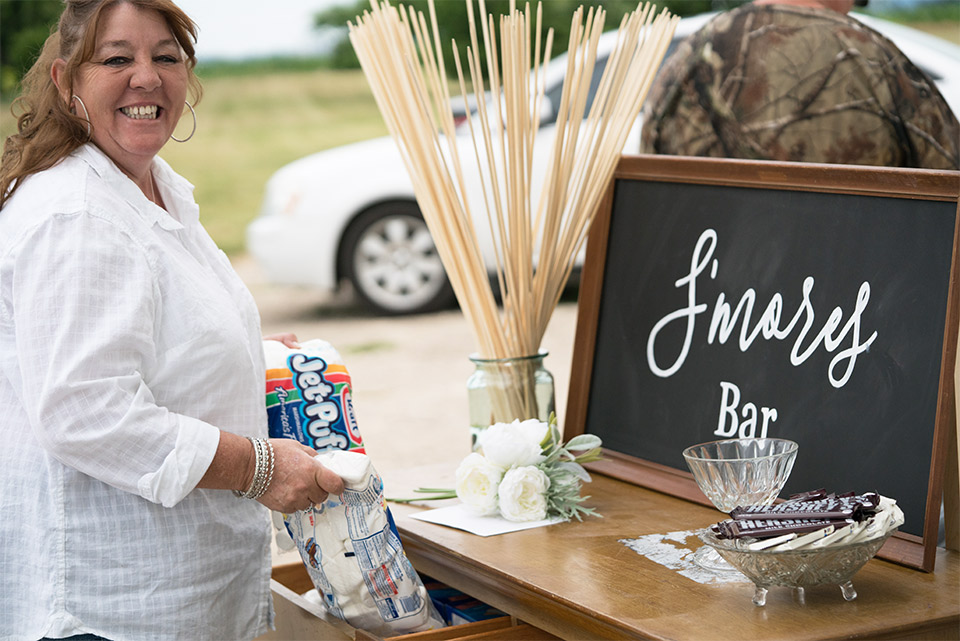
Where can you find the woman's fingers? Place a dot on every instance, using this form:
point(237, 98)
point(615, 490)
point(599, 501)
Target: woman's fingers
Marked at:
point(309, 451)
point(328, 481)
point(287, 338)
point(300, 481)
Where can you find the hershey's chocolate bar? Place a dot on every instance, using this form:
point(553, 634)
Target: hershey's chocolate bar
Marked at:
point(734, 529)
point(812, 495)
point(848, 507)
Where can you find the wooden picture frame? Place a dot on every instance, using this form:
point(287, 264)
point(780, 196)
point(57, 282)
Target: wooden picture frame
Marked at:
point(724, 181)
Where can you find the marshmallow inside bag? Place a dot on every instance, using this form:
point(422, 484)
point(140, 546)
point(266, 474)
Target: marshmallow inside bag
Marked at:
point(348, 545)
point(355, 558)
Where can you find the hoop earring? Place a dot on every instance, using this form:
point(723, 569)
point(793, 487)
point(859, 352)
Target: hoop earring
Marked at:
point(86, 114)
point(192, 131)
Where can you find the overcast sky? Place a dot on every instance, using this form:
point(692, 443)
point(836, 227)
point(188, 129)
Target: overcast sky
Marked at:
point(255, 28)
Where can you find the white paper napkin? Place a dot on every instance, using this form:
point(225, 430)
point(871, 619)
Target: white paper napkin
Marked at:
point(463, 518)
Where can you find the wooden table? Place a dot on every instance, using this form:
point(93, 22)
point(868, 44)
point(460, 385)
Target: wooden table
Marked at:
point(577, 581)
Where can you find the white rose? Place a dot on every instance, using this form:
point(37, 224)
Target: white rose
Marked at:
point(533, 429)
point(477, 482)
point(523, 494)
point(513, 444)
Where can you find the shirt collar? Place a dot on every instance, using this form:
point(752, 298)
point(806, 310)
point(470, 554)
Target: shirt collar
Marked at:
point(176, 191)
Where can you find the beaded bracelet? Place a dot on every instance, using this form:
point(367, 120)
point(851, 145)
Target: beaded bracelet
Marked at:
point(263, 469)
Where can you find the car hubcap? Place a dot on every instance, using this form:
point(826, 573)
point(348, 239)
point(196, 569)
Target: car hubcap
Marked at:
point(396, 263)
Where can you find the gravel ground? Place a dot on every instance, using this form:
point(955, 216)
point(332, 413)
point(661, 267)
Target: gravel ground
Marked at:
point(409, 373)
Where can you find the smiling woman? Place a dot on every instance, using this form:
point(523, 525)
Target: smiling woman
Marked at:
point(131, 358)
point(131, 91)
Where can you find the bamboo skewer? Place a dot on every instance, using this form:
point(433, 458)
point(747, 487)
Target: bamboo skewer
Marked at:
point(536, 237)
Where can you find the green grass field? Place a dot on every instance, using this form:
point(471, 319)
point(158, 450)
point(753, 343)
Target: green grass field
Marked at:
point(249, 125)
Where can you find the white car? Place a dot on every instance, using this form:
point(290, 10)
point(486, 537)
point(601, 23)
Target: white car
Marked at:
point(349, 213)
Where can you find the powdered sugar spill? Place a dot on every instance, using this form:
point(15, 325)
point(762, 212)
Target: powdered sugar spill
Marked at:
point(674, 550)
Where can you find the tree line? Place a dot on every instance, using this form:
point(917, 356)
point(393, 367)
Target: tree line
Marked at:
point(453, 24)
point(25, 24)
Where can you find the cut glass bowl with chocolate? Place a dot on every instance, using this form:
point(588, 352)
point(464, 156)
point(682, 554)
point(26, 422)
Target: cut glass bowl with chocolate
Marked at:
point(800, 568)
point(732, 472)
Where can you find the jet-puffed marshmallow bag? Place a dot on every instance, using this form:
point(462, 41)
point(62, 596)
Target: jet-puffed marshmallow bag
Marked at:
point(309, 396)
point(349, 544)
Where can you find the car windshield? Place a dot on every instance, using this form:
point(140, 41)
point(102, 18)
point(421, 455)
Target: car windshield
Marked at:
point(554, 93)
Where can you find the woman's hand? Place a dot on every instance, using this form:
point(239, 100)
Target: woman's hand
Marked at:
point(299, 480)
point(287, 338)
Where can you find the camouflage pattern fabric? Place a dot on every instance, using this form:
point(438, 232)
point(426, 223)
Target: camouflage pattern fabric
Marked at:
point(776, 82)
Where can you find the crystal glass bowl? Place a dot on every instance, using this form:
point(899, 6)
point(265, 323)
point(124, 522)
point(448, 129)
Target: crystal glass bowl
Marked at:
point(832, 565)
point(745, 471)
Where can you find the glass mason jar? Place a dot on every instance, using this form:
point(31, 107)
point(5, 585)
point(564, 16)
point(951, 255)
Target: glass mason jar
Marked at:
point(503, 389)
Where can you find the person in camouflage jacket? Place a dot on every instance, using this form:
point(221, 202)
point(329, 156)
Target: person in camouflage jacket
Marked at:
point(772, 81)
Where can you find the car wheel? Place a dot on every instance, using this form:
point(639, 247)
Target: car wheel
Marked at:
point(392, 262)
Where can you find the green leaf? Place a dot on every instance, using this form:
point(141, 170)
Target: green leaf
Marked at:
point(435, 497)
point(552, 438)
point(575, 470)
point(590, 456)
point(584, 442)
point(437, 494)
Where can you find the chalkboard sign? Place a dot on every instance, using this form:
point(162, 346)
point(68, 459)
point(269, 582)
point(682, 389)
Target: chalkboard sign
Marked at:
point(725, 298)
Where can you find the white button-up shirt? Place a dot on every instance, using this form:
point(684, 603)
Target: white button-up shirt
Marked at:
point(127, 342)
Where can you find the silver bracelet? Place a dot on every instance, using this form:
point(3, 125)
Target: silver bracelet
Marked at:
point(263, 469)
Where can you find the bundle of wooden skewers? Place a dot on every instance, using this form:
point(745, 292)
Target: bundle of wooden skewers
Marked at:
point(538, 231)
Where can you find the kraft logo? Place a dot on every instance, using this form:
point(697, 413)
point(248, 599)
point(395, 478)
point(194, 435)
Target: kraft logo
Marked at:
point(320, 408)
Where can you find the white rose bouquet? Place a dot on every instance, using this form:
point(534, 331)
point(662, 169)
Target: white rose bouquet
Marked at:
point(524, 472)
